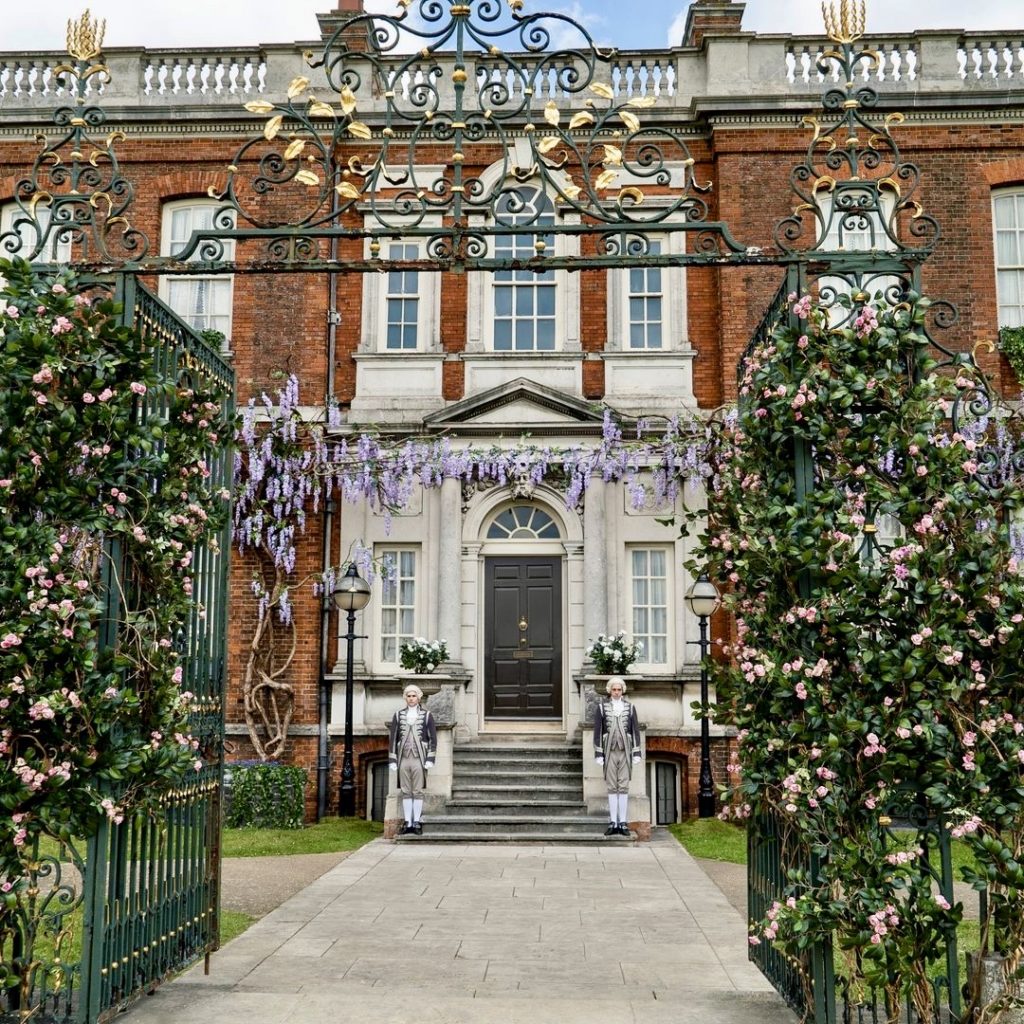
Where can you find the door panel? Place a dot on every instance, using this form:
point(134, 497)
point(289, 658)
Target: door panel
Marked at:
point(523, 637)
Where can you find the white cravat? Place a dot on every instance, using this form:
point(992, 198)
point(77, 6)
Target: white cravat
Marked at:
point(617, 706)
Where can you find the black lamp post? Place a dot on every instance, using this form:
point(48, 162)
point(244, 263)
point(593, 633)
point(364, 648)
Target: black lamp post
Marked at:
point(351, 594)
point(703, 598)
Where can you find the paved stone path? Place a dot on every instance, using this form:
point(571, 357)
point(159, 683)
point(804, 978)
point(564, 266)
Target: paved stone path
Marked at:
point(487, 934)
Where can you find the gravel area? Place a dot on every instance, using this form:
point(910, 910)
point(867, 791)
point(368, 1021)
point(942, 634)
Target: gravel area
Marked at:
point(257, 885)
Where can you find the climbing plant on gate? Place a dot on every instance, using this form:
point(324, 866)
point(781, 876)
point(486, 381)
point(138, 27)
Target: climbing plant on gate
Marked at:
point(104, 493)
point(288, 465)
point(865, 673)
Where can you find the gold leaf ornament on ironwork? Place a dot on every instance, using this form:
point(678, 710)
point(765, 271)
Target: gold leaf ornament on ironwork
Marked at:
point(632, 193)
point(259, 107)
point(307, 177)
point(612, 156)
point(347, 190)
point(297, 86)
point(571, 190)
point(848, 25)
point(605, 179)
point(631, 121)
point(641, 102)
point(603, 90)
point(294, 148)
point(551, 113)
point(580, 119)
point(359, 130)
point(317, 108)
point(348, 101)
point(547, 144)
point(272, 127)
point(85, 37)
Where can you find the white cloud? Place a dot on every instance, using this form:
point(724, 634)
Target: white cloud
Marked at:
point(675, 29)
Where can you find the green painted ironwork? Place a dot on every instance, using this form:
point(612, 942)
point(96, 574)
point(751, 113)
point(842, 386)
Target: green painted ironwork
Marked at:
point(108, 917)
point(153, 883)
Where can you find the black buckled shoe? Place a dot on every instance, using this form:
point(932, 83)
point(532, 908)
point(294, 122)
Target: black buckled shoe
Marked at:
point(624, 830)
point(612, 830)
point(405, 829)
point(417, 829)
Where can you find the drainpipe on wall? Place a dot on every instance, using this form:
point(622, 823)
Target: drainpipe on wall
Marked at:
point(323, 767)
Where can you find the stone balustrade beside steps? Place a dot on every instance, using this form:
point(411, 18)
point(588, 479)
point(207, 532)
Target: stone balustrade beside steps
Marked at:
point(522, 792)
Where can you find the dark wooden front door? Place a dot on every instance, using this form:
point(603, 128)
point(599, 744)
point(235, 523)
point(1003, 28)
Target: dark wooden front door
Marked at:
point(523, 638)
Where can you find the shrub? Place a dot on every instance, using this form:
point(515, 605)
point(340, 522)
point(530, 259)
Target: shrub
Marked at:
point(423, 656)
point(612, 654)
point(265, 795)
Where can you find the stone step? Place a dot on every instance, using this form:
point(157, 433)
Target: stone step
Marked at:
point(571, 792)
point(553, 816)
point(497, 776)
point(475, 753)
point(485, 808)
point(441, 835)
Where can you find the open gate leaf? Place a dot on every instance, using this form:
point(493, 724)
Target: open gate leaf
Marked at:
point(272, 127)
point(359, 130)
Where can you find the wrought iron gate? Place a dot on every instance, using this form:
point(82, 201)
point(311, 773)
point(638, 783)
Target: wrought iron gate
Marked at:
point(109, 918)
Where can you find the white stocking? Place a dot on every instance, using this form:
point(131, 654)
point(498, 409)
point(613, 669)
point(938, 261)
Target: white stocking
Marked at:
point(417, 810)
point(623, 808)
point(612, 804)
point(407, 808)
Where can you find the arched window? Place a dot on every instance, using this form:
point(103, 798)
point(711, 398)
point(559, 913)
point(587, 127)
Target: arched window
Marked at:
point(523, 522)
point(524, 302)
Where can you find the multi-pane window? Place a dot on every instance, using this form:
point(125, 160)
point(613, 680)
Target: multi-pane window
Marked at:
point(13, 217)
point(524, 302)
point(649, 572)
point(398, 601)
point(402, 300)
point(1008, 218)
point(523, 522)
point(204, 302)
point(646, 309)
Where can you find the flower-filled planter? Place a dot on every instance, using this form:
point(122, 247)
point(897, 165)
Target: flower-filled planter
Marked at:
point(613, 654)
point(423, 656)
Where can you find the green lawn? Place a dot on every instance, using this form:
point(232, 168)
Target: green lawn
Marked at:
point(712, 839)
point(328, 836)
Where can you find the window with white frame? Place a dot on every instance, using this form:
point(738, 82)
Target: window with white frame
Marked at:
point(202, 301)
point(649, 574)
point(646, 304)
point(13, 217)
point(1008, 224)
point(398, 601)
point(402, 301)
point(524, 301)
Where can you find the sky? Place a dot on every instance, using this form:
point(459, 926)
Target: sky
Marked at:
point(174, 23)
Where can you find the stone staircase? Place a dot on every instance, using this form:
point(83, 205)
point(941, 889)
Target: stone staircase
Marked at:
point(516, 791)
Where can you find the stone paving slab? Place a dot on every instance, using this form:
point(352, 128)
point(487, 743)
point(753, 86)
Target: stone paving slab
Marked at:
point(486, 934)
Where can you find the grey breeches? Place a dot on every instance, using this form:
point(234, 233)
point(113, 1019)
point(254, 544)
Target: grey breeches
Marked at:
point(616, 770)
point(412, 779)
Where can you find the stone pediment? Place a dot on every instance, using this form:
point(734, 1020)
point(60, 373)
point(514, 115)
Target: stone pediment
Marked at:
point(521, 405)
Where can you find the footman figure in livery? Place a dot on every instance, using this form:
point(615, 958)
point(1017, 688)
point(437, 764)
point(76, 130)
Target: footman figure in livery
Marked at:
point(411, 753)
point(616, 750)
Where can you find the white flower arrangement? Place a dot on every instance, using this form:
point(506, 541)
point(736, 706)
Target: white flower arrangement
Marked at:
point(423, 656)
point(611, 654)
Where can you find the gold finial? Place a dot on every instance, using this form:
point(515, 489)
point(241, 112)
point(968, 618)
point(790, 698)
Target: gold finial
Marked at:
point(85, 37)
point(848, 26)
